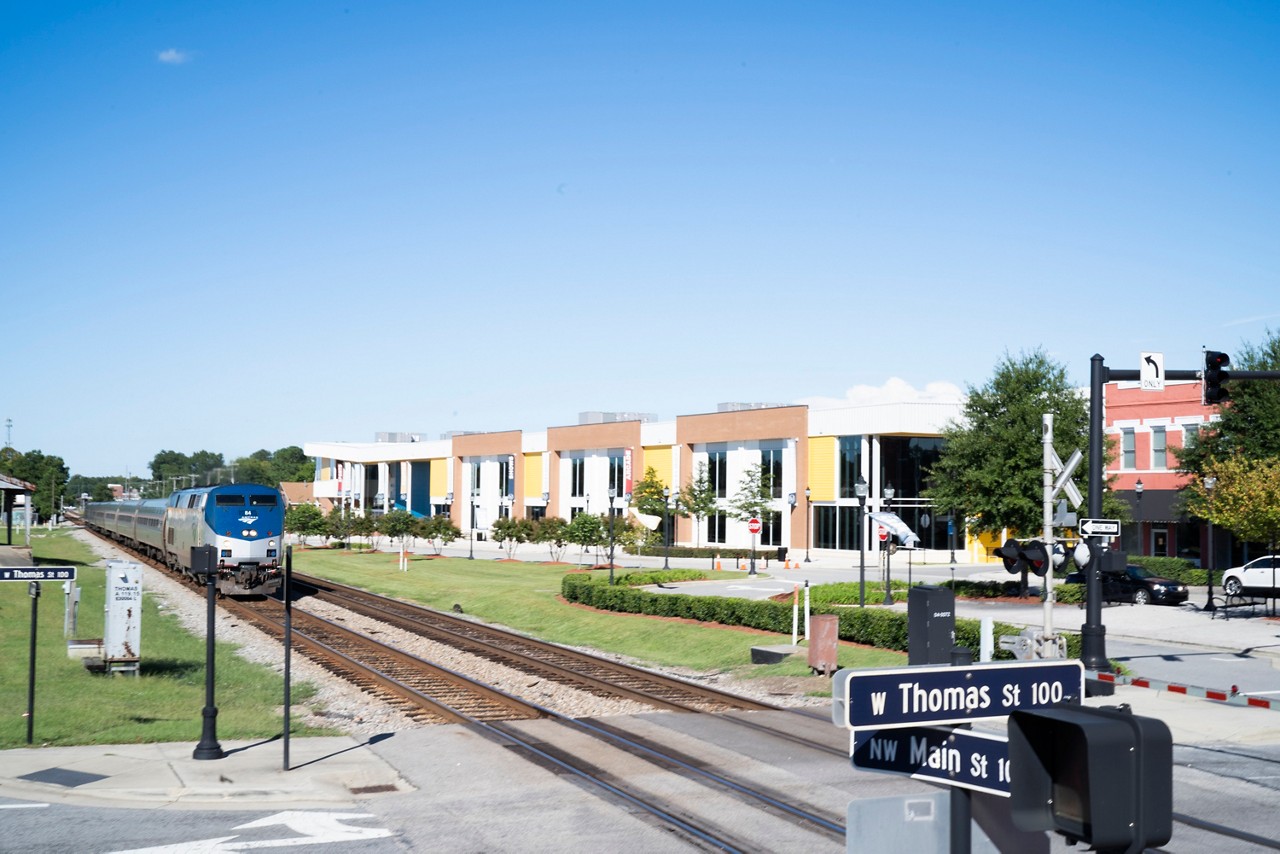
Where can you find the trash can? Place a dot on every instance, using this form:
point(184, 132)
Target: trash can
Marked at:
point(824, 643)
point(782, 552)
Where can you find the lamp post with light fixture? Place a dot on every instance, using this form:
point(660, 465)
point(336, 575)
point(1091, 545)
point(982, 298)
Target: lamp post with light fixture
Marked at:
point(471, 548)
point(613, 493)
point(666, 534)
point(808, 522)
point(888, 545)
point(1142, 539)
point(860, 490)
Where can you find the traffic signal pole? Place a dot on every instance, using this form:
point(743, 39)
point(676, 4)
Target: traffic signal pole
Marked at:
point(1048, 641)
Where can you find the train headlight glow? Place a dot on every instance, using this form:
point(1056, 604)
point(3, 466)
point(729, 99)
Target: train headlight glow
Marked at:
point(245, 532)
point(253, 533)
point(271, 543)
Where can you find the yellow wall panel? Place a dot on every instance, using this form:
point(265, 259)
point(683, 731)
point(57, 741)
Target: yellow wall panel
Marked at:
point(439, 477)
point(658, 459)
point(533, 475)
point(822, 468)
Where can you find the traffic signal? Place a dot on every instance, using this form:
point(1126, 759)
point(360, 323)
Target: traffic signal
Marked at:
point(1215, 374)
point(1101, 776)
point(1011, 555)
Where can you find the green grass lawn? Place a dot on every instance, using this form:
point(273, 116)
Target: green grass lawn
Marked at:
point(164, 703)
point(525, 596)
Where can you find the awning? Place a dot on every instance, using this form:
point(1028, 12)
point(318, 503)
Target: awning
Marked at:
point(897, 528)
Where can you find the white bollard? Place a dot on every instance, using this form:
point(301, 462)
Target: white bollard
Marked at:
point(986, 639)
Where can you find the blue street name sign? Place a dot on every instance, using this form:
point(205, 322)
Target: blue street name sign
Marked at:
point(923, 696)
point(954, 757)
point(37, 573)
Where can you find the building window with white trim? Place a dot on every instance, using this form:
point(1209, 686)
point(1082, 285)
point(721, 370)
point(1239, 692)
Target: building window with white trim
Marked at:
point(1128, 458)
point(718, 472)
point(715, 528)
point(1159, 449)
point(771, 467)
point(577, 477)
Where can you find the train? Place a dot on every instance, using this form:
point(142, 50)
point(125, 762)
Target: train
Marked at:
point(243, 521)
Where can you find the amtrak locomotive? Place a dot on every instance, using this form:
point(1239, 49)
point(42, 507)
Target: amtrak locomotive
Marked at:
point(243, 521)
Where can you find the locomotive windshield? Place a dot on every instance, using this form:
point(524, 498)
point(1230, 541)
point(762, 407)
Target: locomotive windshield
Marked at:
point(229, 500)
point(263, 500)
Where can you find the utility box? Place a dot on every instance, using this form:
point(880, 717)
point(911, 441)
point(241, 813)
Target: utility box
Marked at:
point(122, 629)
point(824, 643)
point(931, 624)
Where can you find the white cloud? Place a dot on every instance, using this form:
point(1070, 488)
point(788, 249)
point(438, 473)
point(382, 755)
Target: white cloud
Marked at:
point(895, 390)
point(173, 56)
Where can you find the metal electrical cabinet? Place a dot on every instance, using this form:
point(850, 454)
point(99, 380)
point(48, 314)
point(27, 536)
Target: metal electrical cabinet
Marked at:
point(122, 629)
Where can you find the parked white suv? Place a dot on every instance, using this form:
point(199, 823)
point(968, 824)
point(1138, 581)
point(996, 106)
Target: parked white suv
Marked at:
point(1261, 575)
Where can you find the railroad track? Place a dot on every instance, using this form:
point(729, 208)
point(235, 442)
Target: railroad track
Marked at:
point(551, 661)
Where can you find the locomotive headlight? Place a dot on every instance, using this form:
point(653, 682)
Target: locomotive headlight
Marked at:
point(271, 543)
point(253, 533)
point(245, 532)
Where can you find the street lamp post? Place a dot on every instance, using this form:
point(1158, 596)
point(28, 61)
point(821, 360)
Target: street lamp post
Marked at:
point(1142, 539)
point(808, 522)
point(860, 490)
point(791, 500)
point(951, 537)
point(666, 534)
point(613, 493)
point(1209, 484)
point(888, 543)
point(471, 545)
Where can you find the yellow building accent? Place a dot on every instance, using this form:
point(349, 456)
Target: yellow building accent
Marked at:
point(439, 477)
point(324, 469)
point(533, 475)
point(987, 543)
point(658, 459)
point(822, 468)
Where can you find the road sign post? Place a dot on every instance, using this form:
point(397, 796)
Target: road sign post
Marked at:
point(753, 525)
point(1099, 527)
point(953, 757)
point(927, 696)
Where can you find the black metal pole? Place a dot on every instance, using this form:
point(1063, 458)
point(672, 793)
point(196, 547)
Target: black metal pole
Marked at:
point(208, 748)
point(471, 547)
point(888, 597)
point(1208, 571)
point(753, 556)
point(1093, 635)
point(862, 553)
point(34, 589)
point(288, 647)
point(808, 523)
point(951, 536)
point(666, 536)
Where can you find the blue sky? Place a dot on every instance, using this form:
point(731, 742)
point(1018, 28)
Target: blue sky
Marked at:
point(244, 225)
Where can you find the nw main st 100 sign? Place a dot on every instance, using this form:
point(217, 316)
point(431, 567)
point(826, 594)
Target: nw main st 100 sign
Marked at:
point(922, 696)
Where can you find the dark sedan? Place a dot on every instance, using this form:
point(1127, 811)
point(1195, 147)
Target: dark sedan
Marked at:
point(1137, 585)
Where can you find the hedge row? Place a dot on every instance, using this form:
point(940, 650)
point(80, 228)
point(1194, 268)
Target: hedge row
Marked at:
point(876, 627)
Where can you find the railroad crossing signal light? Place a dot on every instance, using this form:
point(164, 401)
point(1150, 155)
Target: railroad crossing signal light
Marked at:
point(1036, 556)
point(1011, 555)
point(1101, 776)
point(1215, 374)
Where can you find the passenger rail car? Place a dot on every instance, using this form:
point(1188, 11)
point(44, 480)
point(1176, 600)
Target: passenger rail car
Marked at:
point(243, 521)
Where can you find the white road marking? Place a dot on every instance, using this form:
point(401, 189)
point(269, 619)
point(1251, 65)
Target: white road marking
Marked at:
point(318, 828)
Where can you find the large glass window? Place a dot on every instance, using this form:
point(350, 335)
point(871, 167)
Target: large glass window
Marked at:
point(504, 475)
point(718, 472)
point(1159, 455)
point(850, 464)
point(616, 481)
point(577, 477)
point(824, 527)
point(771, 528)
point(771, 468)
point(715, 528)
point(905, 462)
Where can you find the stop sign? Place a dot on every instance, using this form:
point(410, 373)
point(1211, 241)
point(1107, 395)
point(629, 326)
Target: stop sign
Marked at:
point(753, 524)
point(883, 533)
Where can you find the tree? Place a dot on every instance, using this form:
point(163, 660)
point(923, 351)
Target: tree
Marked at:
point(584, 531)
point(339, 524)
point(437, 530)
point(1245, 499)
point(698, 498)
point(510, 533)
point(305, 520)
point(1249, 422)
point(646, 494)
point(396, 525)
point(47, 473)
point(553, 531)
point(754, 497)
point(990, 471)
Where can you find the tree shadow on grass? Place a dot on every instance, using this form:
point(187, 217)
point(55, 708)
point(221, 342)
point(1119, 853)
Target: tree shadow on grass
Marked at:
point(171, 667)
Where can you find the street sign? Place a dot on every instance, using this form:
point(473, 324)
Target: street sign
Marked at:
point(753, 525)
point(882, 532)
point(37, 573)
point(953, 757)
point(919, 696)
point(1151, 371)
point(1099, 527)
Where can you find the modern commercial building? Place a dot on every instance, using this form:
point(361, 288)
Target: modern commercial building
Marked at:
point(814, 456)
